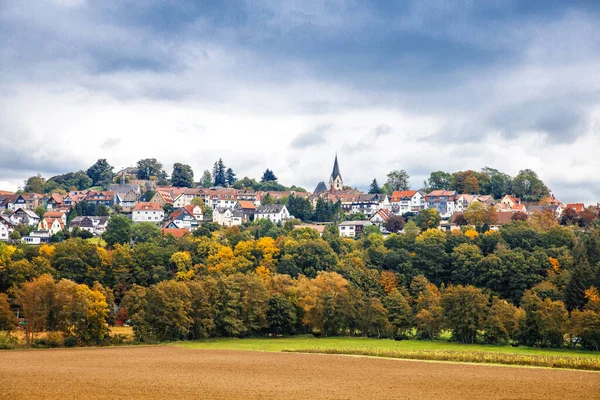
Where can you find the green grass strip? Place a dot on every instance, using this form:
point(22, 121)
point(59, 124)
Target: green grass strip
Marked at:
point(486, 357)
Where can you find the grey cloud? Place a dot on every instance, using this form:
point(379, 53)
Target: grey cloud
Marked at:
point(110, 143)
point(26, 157)
point(315, 137)
point(382, 130)
point(368, 140)
point(563, 123)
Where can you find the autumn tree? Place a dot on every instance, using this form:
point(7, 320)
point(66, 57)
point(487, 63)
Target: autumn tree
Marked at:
point(502, 321)
point(35, 299)
point(400, 313)
point(428, 218)
point(465, 310)
point(8, 319)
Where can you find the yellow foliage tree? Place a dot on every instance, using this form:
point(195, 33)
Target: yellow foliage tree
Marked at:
point(47, 250)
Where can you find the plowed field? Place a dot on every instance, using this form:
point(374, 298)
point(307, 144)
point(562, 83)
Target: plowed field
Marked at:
point(175, 373)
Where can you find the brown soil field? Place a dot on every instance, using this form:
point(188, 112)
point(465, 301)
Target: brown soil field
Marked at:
point(169, 372)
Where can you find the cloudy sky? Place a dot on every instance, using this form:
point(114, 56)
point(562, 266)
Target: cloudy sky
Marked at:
point(416, 85)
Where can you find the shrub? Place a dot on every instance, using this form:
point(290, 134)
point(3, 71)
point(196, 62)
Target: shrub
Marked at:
point(8, 341)
point(70, 341)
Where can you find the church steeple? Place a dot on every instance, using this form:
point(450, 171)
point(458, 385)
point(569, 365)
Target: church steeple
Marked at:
point(335, 181)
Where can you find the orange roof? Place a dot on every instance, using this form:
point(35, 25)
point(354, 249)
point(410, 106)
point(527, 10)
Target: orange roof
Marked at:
point(399, 194)
point(5, 193)
point(191, 207)
point(53, 214)
point(145, 206)
point(247, 204)
point(177, 232)
point(578, 207)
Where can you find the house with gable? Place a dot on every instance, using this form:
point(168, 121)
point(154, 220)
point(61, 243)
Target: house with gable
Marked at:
point(276, 213)
point(148, 212)
point(93, 224)
point(352, 229)
point(25, 217)
point(444, 201)
point(54, 201)
point(52, 225)
point(381, 217)
point(188, 217)
point(56, 214)
point(106, 198)
point(405, 201)
point(368, 204)
point(226, 217)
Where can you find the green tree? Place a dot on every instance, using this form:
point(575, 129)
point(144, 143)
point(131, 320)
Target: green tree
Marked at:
point(145, 232)
point(528, 186)
point(168, 311)
point(268, 175)
point(281, 315)
point(182, 176)
point(400, 313)
point(438, 180)
point(398, 180)
point(428, 219)
point(465, 310)
point(118, 230)
point(206, 180)
point(230, 177)
point(150, 167)
point(219, 173)
point(502, 322)
point(101, 173)
point(374, 188)
point(499, 183)
point(35, 184)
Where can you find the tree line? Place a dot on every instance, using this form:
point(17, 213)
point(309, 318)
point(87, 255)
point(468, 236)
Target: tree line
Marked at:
point(528, 283)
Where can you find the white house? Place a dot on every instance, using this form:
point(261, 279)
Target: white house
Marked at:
point(276, 213)
point(404, 201)
point(380, 217)
point(147, 212)
point(92, 224)
point(52, 225)
point(185, 198)
point(56, 214)
point(4, 232)
point(37, 237)
point(368, 204)
point(25, 217)
point(227, 216)
point(352, 229)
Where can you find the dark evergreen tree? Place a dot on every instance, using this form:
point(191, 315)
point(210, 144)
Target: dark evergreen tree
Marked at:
point(219, 173)
point(374, 188)
point(268, 175)
point(230, 177)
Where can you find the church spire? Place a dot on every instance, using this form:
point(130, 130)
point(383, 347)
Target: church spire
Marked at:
point(336, 182)
point(336, 169)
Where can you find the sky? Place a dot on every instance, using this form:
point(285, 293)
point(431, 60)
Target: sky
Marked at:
point(414, 85)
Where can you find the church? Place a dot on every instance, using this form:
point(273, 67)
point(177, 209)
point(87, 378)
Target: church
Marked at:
point(336, 183)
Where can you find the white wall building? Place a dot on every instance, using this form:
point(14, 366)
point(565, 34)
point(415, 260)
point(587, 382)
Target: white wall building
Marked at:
point(352, 229)
point(276, 213)
point(148, 212)
point(406, 201)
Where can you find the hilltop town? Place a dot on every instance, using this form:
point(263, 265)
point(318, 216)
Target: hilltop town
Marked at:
point(82, 203)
